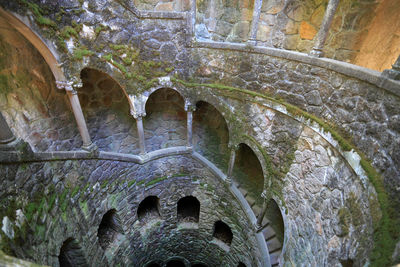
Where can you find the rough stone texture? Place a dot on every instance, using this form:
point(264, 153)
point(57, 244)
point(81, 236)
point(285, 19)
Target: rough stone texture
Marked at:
point(107, 114)
point(365, 112)
point(224, 20)
point(165, 122)
point(369, 115)
point(91, 188)
point(36, 111)
point(211, 135)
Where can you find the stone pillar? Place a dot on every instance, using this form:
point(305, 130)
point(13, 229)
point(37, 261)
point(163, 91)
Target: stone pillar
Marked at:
point(6, 136)
point(190, 109)
point(324, 30)
point(394, 72)
point(233, 148)
point(79, 118)
point(263, 210)
point(139, 123)
point(254, 23)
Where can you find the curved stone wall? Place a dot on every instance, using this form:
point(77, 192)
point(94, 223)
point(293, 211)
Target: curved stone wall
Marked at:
point(328, 205)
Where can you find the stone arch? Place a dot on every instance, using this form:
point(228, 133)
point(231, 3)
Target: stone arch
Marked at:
point(175, 263)
point(71, 254)
point(146, 94)
point(153, 264)
point(45, 49)
point(274, 231)
point(248, 174)
point(211, 134)
point(115, 129)
point(35, 111)
point(222, 232)
point(188, 209)
point(149, 208)
point(199, 264)
point(109, 227)
point(165, 121)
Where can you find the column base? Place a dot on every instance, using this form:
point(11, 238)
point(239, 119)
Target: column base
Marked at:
point(251, 42)
point(315, 52)
point(391, 74)
point(90, 148)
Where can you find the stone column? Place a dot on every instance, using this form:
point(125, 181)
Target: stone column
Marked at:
point(190, 109)
point(80, 119)
point(254, 23)
point(324, 30)
point(6, 136)
point(394, 72)
point(233, 148)
point(263, 210)
point(139, 123)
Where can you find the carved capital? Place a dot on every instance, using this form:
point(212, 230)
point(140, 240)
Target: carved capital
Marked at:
point(233, 146)
point(189, 106)
point(137, 115)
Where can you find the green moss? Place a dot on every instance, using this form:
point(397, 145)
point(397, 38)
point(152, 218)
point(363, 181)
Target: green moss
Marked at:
point(131, 182)
point(155, 181)
point(38, 14)
point(141, 182)
point(63, 200)
point(344, 220)
point(67, 32)
point(75, 191)
point(388, 230)
point(79, 53)
point(4, 84)
point(100, 28)
point(169, 69)
point(104, 184)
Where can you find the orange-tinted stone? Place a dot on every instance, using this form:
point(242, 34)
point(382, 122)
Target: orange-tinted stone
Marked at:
point(307, 31)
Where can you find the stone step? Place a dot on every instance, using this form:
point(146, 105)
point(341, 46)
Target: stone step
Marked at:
point(250, 200)
point(273, 245)
point(268, 233)
point(256, 209)
point(274, 258)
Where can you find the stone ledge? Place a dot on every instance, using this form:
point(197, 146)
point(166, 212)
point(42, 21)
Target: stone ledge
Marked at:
point(361, 73)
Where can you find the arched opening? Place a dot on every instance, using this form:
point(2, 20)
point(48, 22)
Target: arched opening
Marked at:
point(223, 232)
point(274, 231)
point(149, 208)
point(241, 264)
point(107, 114)
point(199, 265)
point(175, 263)
point(165, 122)
point(248, 176)
point(109, 227)
point(347, 263)
point(35, 110)
point(211, 134)
point(188, 209)
point(71, 254)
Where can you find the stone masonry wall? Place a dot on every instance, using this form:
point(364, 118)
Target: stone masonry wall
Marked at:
point(367, 113)
point(106, 110)
point(62, 199)
point(29, 101)
point(165, 121)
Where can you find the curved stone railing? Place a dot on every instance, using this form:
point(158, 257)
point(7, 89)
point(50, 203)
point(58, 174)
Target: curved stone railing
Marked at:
point(8, 157)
